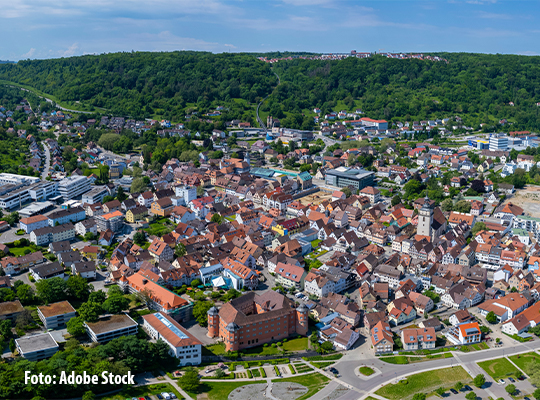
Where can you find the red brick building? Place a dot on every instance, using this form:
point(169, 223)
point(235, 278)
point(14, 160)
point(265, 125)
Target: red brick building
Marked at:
point(252, 320)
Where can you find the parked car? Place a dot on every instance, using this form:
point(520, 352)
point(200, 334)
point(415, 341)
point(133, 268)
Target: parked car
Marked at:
point(160, 397)
point(522, 377)
point(511, 379)
point(454, 391)
point(501, 381)
point(166, 395)
point(173, 396)
point(467, 387)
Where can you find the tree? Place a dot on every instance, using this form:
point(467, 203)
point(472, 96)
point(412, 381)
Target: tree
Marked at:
point(106, 199)
point(88, 396)
point(458, 386)
point(216, 218)
point(116, 304)
point(396, 200)
point(51, 290)
point(200, 191)
point(491, 317)
point(510, 389)
point(75, 326)
point(138, 185)
point(139, 238)
point(479, 380)
point(195, 283)
point(190, 381)
point(6, 294)
point(200, 311)
point(78, 287)
point(26, 295)
point(447, 205)
point(347, 191)
point(219, 373)
point(419, 396)
point(462, 206)
point(470, 396)
point(24, 319)
point(532, 369)
point(180, 250)
point(88, 236)
point(440, 391)
point(536, 394)
point(327, 347)
point(478, 227)
point(120, 194)
point(98, 296)
point(90, 311)
point(5, 328)
point(478, 186)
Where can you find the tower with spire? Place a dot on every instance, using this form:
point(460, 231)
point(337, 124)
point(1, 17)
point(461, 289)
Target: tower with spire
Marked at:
point(425, 219)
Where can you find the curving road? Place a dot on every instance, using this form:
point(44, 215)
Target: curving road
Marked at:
point(52, 102)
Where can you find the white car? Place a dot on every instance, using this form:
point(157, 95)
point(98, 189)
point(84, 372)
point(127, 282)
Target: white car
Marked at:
point(166, 395)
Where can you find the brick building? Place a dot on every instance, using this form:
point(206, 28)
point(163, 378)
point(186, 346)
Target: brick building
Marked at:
point(252, 320)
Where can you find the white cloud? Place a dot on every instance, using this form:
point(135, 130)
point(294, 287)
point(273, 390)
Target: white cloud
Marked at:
point(486, 15)
point(71, 51)
point(29, 54)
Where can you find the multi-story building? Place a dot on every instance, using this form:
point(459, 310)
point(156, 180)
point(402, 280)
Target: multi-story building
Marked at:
point(416, 339)
point(111, 327)
point(183, 345)
point(10, 310)
point(186, 193)
point(344, 176)
point(136, 214)
point(161, 251)
point(252, 320)
point(12, 179)
point(56, 315)
point(372, 193)
point(12, 196)
point(44, 236)
point(44, 190)
point(36, 347)
point(468, 333)
point(289, 275)
point(15, 265)
point(96, 195)
point(113, 221)
point(74, 215)
point(381, 338)
point(86, 226)
point(498, 142)
point(73, 186)
point(32, 223)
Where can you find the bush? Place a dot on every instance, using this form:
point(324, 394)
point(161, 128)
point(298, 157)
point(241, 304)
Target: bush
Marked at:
point(279, 344)
point(265, 345)
point(263, 374)
point(274, 345)
point(292, 369)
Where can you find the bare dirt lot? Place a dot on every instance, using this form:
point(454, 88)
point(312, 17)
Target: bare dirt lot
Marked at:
point(527, 198)
point(316, 198)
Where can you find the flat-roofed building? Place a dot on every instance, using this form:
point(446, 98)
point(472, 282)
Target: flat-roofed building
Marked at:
point(43, 190)
point(345, 176)
point(10, 310)
point(13, 197)
point(73, 186)
point(6, 178)
point(36, 347)
point(184, 346)
point(111, 327)
point(56, 315)
point(96, 195)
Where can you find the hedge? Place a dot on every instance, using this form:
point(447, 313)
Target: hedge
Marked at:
point(292, 369)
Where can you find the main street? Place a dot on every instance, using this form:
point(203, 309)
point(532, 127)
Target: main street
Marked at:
point(45, 172)
point(390, 373)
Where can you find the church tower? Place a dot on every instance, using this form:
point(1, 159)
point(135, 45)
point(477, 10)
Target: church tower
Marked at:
point(425, 218)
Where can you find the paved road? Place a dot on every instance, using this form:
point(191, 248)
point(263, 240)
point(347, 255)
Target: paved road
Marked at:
point(10, 236)
point(45, 172)
point(391, 372)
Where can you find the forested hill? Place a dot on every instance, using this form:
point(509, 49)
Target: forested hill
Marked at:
point(476, 87)
point(141, 84)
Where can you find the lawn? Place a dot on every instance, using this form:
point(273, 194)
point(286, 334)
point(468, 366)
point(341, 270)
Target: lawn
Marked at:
point(141, 391)
point(424, 382)
point(523, 359)
point(314, 383)
point(324, 358)
point(322, 364)
point(262, 351)
point(219, 390)
point(160, 227)
point(19, 251)
point(315, 243)
point(214, 349)
point(297, 344)
point(498, 368)
point(366, 371)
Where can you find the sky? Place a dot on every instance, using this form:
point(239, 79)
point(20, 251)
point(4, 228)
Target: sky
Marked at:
point(33, 29)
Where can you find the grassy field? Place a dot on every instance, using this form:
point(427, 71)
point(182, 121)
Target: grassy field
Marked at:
point(314, 383)
point(498, 368)
point(296, 344)
point(219, 390)
point(19, 251)
point(523, 359)
point(322, 364)
point(140, 391)
point(262, 351)
point(424, 382)
point(214, 349)
point(366, 371)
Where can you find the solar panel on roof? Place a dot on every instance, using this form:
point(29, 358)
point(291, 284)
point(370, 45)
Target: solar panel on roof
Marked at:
point(169, 325)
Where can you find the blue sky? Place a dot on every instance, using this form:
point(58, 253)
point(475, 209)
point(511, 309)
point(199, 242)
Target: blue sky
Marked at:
point(61, 28)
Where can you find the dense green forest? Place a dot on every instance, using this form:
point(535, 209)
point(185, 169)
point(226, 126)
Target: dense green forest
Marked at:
point(476, 87)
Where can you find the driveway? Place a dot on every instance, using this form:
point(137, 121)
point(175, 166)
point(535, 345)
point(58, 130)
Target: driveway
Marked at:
point(10, 236)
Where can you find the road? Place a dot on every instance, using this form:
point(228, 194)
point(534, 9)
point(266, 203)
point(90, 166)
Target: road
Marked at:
point(45, 172)
point(52, 102)
point(348, 365)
